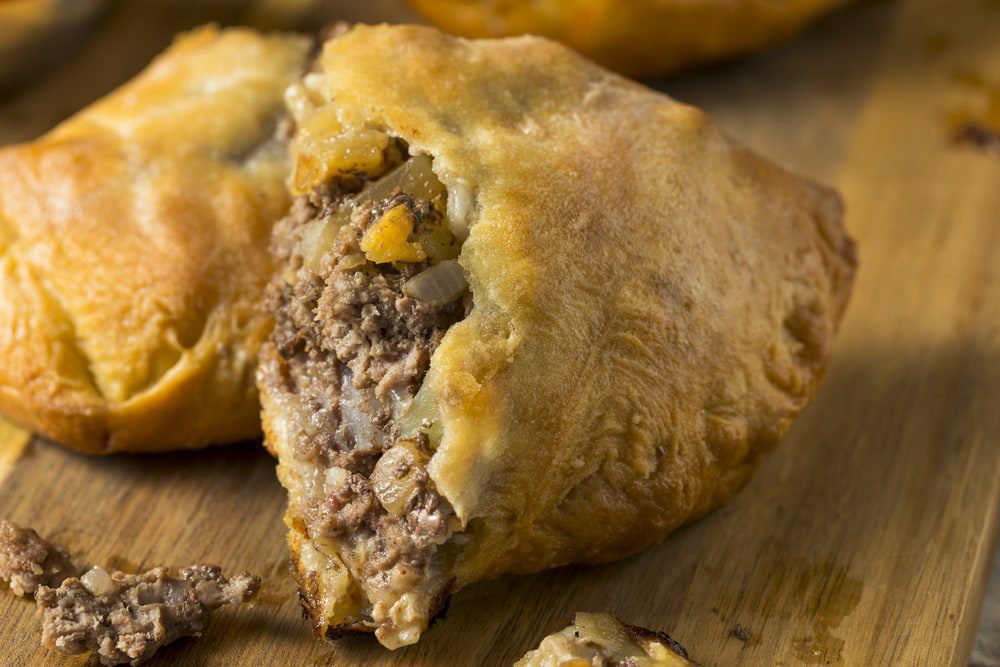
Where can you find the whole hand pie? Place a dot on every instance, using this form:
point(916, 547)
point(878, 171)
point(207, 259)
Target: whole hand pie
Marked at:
point(637, 37)
point(527, 313)
point(133, 251)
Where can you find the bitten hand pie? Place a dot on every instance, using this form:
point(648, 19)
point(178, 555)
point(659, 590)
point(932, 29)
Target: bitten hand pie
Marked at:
point(637, 37)
point(527, 313)
point(604, 641)
point(133, 251)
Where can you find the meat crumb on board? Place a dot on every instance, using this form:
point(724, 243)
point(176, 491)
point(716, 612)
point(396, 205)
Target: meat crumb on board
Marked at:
point(741, 633)
point(27, 561)
point(120, 618)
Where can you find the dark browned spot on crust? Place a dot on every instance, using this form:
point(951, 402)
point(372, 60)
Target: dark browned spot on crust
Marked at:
point(441, 604)
point(304, 602)
point(741, 633)
point(347, 630)
point(654, 635)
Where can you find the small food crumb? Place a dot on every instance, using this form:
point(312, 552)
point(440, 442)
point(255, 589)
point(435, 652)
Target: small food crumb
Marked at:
point(741, 633)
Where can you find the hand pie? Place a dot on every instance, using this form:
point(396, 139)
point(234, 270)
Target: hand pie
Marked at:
point(637, 37)
point(133, 251)
point(527, 313)
point(601, 639)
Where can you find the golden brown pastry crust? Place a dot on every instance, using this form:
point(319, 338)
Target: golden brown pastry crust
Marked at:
point(133, 251)
point(653, 303)
point(636, 37)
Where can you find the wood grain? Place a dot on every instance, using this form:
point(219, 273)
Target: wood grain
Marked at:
point(863, 540)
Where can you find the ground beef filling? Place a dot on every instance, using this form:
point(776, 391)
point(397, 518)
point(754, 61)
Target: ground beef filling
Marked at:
point(354, 349)
point(28, 561)
point(126, 618)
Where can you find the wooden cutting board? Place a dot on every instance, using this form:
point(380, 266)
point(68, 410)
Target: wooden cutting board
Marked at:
point(863, 540)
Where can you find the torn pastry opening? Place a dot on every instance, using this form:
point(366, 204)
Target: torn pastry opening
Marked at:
point(368, 283)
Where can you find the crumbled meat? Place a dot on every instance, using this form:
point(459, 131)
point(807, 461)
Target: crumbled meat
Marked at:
point(134, 615)
point(347, 505)
point(360, 315)
point(408, 539)
point(428, 517)
point(123, 618)
point(375, 330)
point(353, 323)
point(27, 561)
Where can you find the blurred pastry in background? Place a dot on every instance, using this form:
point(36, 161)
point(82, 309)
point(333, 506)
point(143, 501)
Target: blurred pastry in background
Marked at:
point(35, 34)
point(644, 38)
point(133, 251)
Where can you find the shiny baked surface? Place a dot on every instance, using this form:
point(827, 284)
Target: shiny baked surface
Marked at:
point(133, 248)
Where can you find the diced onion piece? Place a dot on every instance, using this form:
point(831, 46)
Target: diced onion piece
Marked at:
point(394, 479)
point(438, 285)
point(336, 479)
point(459, 209)
point(382, 188)
point(606, 631)
point(414, 177)
point(385, 241)
point(422, 416)
point(318, 238)
point(97, 581)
